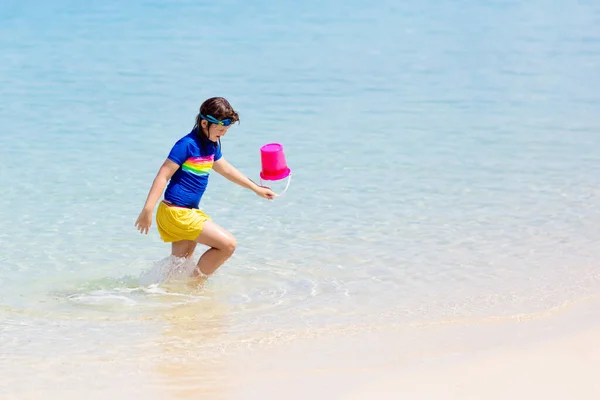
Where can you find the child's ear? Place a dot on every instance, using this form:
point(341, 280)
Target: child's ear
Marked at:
point(204, 124)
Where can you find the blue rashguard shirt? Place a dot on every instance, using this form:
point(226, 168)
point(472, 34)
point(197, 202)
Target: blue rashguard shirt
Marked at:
point(188, 183)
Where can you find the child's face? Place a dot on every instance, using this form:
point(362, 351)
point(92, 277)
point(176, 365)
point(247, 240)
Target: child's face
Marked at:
point(215, 131)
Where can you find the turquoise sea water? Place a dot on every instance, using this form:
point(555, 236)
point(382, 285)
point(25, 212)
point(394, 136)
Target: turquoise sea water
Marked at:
point(445, 158)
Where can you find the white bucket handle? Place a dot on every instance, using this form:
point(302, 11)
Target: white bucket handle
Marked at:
point(286, 186)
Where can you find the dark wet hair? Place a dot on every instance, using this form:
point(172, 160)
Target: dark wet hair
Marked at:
point(217, 107)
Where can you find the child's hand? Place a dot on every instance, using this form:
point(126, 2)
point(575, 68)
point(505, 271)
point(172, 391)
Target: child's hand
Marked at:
point(265, 192)
point(144, 221)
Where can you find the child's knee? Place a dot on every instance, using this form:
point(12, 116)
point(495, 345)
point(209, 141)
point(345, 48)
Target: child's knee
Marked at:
point(230, 245)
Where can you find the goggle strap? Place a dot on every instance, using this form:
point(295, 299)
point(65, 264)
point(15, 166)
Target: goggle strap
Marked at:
point(212, 119)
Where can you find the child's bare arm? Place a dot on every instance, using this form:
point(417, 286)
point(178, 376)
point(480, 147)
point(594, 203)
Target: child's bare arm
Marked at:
point(223, 167)
point(166, 171)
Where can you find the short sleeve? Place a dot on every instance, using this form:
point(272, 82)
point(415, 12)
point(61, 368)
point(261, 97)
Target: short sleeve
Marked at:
point(179, 153)
point(218, 152)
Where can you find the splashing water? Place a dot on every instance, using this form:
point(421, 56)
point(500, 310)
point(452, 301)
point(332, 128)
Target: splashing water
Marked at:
point(169, 269)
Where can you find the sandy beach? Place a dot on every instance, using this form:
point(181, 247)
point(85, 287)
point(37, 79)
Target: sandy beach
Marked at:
point(372, 365)
point(558, 367)
point(566, 368)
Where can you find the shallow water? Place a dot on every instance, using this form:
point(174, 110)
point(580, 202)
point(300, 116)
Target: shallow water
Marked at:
point(445, 168)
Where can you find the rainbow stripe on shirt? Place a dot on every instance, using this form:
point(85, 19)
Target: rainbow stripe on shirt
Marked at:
point(199, 165)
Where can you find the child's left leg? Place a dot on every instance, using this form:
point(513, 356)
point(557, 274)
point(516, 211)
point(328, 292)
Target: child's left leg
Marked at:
point(222, 245)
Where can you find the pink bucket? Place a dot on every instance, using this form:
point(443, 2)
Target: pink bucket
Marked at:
point(274, 167)
point(273, 162)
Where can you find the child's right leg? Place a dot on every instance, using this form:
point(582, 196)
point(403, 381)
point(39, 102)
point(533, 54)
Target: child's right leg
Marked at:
point(222, 245)
point(183, 248)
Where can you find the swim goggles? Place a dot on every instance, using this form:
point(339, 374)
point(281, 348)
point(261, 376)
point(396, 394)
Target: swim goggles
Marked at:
point(220, 122)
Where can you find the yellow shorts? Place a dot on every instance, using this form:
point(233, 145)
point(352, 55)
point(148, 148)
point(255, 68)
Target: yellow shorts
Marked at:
point(179, 223)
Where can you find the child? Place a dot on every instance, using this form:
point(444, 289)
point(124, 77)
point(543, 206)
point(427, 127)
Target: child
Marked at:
point(178, 218)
